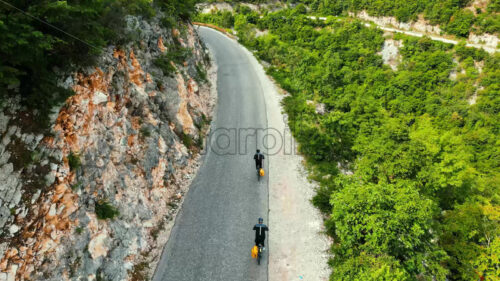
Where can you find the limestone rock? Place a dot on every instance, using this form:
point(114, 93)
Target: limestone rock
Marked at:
point(117, 139)
point(97, 246)
point(13, 229)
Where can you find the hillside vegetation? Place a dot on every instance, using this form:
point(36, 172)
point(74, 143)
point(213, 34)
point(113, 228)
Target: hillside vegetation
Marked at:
point(451, 15)
point(41, 37)
point(455, 17)
point(408, 161)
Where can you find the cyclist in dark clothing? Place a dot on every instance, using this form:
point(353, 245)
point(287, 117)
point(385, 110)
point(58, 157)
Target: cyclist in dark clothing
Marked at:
point(260, 232)
point(258, 157)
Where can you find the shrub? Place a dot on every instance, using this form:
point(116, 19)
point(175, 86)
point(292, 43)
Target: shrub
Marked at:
point(163, 62)
point(79, 230)
point(74, 161)
point(104, 210)
point(322, 199)
point(175, 54)
point(201, 74)
point(187, 140)
point(201, 123)
point(77, 186)
point(145, 132)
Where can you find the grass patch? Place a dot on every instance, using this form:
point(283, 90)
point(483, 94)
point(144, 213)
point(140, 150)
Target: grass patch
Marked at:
point(163, 62)
point(36, 156)
point(145, 132)
point(139, 272)
point(156, 231)
point(175, 54)
point(201, 74)
point(199, 124)
point(79, 230)
point(77, 185)
point(187, 140)
point(74, 161)
point(199, 141)
point(104, 210)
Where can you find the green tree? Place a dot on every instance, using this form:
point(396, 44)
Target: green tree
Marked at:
point(391, 219)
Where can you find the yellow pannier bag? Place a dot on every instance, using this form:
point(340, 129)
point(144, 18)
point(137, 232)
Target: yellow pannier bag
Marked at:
point(261, 172)
point(255, 252)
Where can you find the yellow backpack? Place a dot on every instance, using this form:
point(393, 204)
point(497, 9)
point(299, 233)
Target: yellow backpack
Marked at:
point(255, 252)
point(261, 172)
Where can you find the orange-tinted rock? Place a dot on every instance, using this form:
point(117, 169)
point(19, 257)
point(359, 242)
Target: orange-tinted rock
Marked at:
point(158, 173)
point(136, 123)
point(193, 87)
point(160, 45)
point(175, 32)
point(182, 113)
point(61, 188)
point(136, 73)
point(130, 140)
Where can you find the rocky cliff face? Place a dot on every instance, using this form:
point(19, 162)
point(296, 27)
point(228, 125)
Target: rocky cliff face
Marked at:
point(93, 198)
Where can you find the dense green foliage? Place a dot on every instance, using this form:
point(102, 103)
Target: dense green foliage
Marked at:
point(450, 14)
point(220, 18)
point(422, 199)
point(39, 37)
point(239, 1)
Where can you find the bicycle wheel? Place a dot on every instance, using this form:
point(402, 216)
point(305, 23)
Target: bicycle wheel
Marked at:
point(258, 258)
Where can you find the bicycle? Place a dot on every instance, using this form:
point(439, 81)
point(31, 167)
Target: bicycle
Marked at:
point(258, 173)
point(259, 254)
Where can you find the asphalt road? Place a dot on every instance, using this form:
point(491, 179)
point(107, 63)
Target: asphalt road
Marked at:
point(212, 235)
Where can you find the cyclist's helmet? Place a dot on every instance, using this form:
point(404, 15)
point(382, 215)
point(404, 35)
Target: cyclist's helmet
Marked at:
point(258, 150)
point(261, 220)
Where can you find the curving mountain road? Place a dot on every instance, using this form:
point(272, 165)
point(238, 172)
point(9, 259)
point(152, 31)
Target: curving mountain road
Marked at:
point(212, 235)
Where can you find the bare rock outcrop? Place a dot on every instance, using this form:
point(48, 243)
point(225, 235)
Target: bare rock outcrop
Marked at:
point(88, 200)
point(390, 52)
